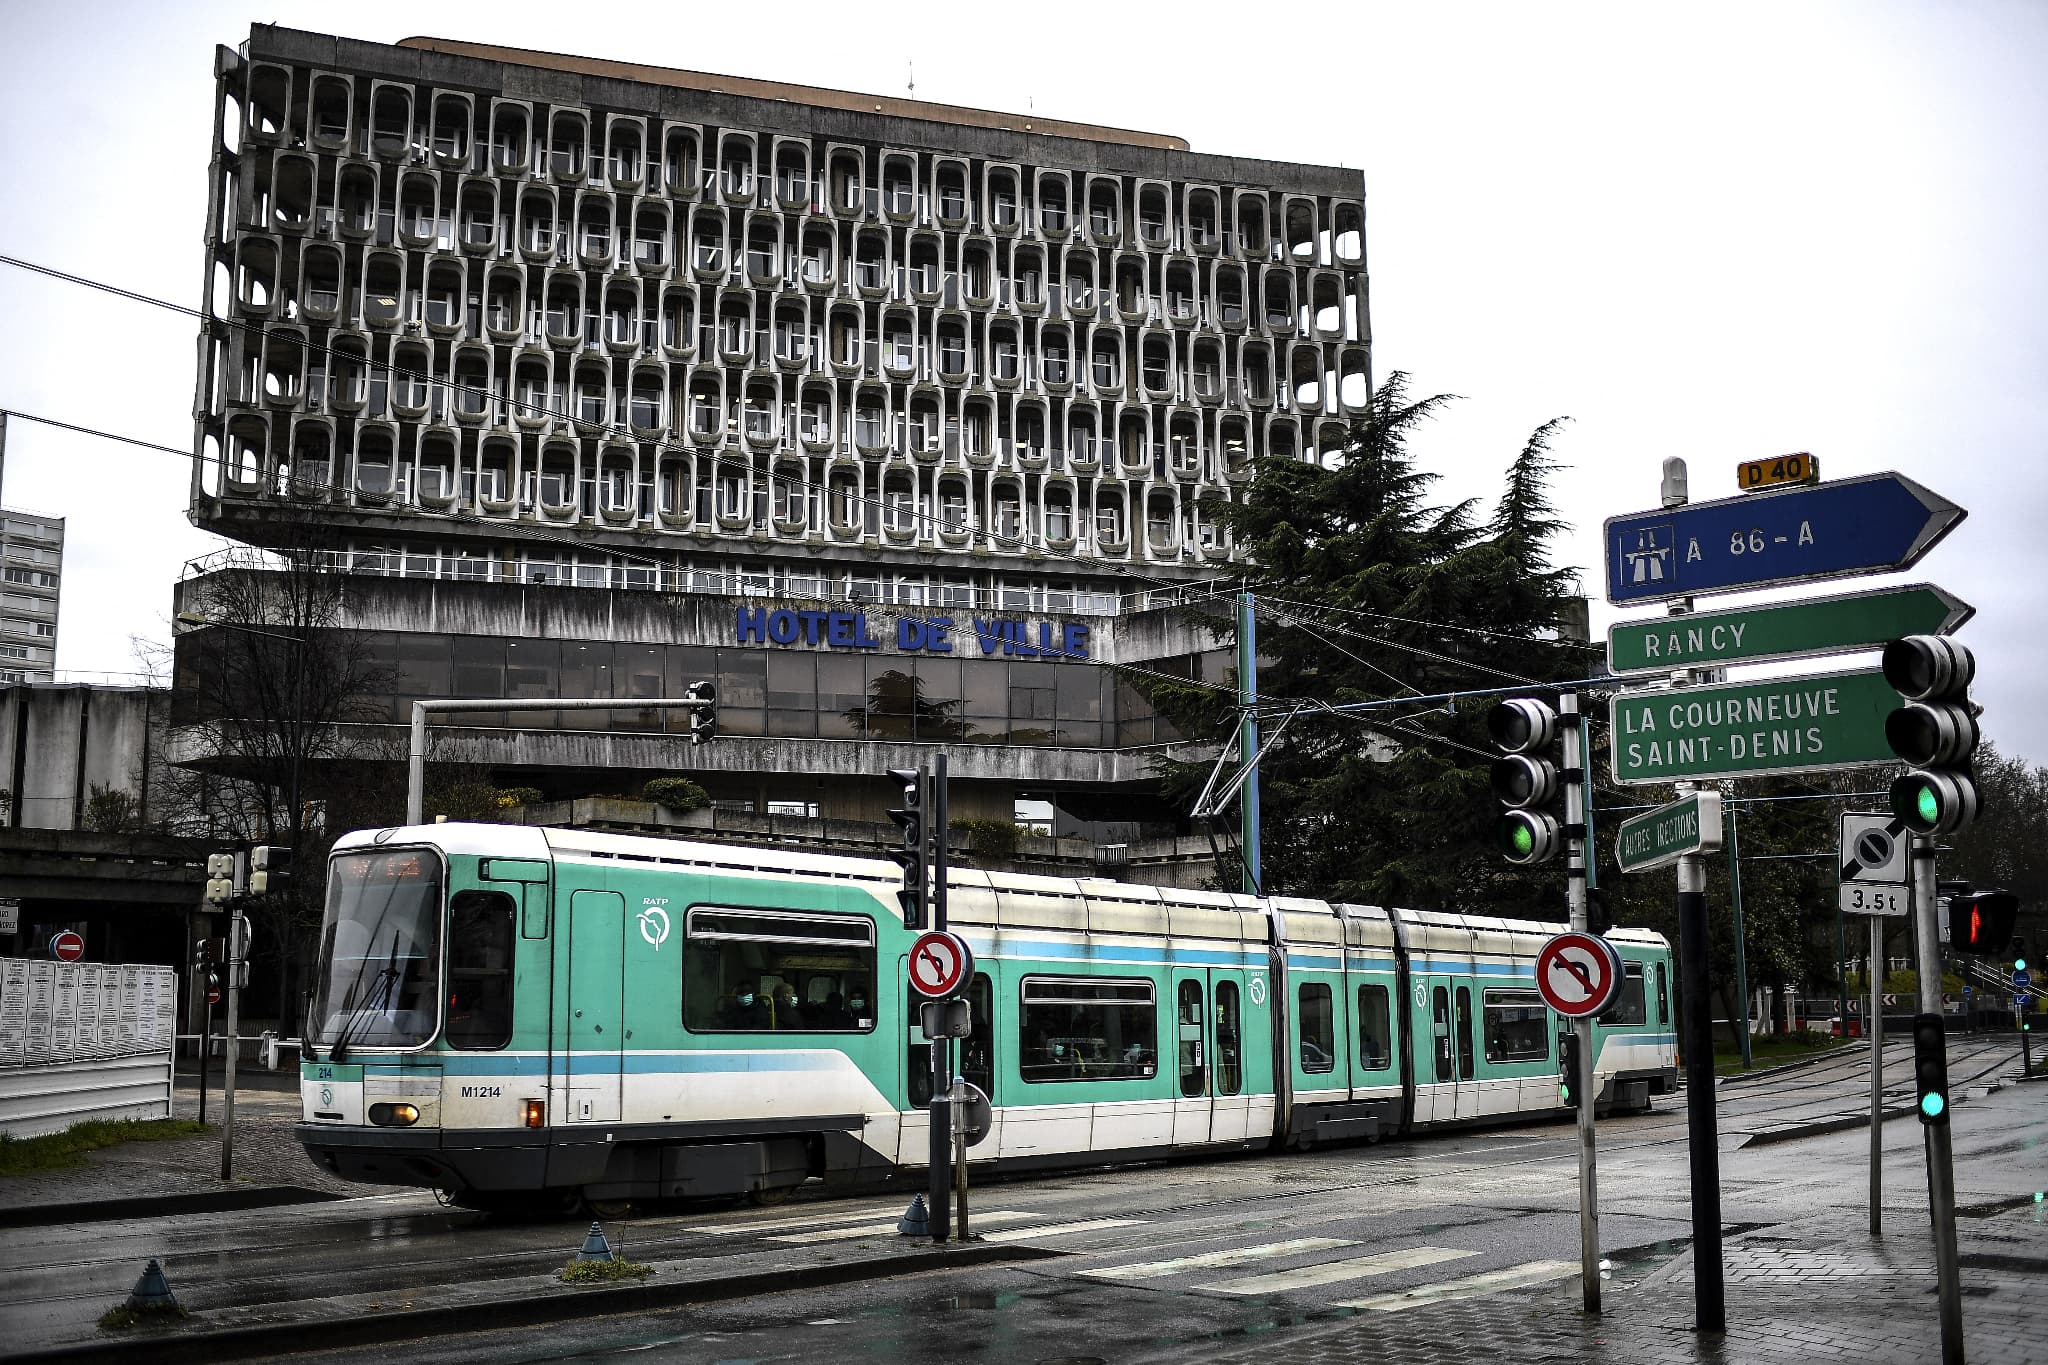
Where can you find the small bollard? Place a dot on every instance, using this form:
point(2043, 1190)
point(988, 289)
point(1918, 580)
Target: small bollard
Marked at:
point(152, 1292)
point(595, 1247)
point(916, 1220)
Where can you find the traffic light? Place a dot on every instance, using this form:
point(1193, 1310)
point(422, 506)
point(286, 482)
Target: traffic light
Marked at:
point(206, 952)
point(1935, 731)
point(1980, 923)
point(1930, 1067)
point(1525, 779)
point(270, 870)
point(913, 853)
point(1568, 1089)
point(220, 878)
point(703, 719)
point(2019, 954)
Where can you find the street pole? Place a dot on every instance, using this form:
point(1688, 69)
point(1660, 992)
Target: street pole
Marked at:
point(1941, 1187)
point(1873, 1029)
point(939, 1201)
point(238, 947)
point(1842, 969)
point(1709, 1306)
point(1577, 847)
point(205, 1041)
point(1741, 943)
point(959, 1095)
point(1248, 741)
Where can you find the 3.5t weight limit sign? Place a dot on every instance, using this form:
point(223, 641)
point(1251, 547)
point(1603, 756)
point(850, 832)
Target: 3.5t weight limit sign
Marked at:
point(1578, 974)
point(939, 963)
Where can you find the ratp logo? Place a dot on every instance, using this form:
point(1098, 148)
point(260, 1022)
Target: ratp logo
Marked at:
point(654, 926)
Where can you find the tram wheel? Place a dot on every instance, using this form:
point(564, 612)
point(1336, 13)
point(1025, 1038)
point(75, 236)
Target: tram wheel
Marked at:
point(768, 1196)
point(609, 1208)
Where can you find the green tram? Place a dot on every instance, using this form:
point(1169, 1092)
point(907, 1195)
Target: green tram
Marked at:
point(510, 1014)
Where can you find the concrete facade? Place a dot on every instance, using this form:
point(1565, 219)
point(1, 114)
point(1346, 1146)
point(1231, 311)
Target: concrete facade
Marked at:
point(902, 422)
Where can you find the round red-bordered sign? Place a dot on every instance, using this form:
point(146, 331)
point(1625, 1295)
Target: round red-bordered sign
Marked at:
point(67, 946)
point(1578, 974)
point(939, 963)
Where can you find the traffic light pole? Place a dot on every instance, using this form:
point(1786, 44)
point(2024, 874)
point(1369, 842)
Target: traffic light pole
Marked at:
point(939, 1202)
point(1941, 1187)
point(1572, 726)
point(238, 949)
point(1710, 1309)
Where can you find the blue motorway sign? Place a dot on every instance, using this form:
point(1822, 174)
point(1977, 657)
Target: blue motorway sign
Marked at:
point(1873, 524)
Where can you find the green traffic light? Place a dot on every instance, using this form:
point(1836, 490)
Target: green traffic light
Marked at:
point(2019, 964)
point(1927, 803)
point(1522, 839)
point(1932, 1103)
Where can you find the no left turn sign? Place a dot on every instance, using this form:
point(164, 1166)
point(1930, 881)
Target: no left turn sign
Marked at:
point(939, 962)
point(1578, 974)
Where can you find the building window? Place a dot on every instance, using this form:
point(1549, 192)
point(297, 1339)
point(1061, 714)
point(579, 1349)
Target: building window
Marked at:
point(1375, 1033)
point(1318, 1028)
point(1087, 1029)
point(479, 970)
point(1517, 1026)
point(806, 809)
point(1034, 814)
point(761, 971)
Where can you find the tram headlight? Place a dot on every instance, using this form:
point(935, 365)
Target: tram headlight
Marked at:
point(536, 1113)
point(394, 1115)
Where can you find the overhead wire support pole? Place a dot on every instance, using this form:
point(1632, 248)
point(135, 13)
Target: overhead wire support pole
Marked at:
point(1248, 742)
point(1578, 849)
point(1874, 1029)
point(939, 1196)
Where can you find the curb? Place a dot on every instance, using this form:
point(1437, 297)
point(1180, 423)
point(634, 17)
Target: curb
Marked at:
point(1820, 1126)
point(197, 1347)
point(1824, 1055)
point(163, 1205)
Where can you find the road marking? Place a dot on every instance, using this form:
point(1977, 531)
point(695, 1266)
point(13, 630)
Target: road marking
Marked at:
point(1056, 1230)
point(1356, 1268)
point(798, 1221)
point(887, 1229)
point(1215, 1260)
point(1472, 1287)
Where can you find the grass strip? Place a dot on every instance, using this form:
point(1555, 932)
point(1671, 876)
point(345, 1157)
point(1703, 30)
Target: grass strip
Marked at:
point(54, 1151)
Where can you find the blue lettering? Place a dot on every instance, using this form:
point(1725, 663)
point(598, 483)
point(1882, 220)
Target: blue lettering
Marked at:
point(1020, 641)
point(1045, 638)
point(935, 635)
point(782, 627)
point(839, 629)
point(1074, 640)
point(753, 620)
point(910, 633)
point(812, 620)
point(989, 636)
point(860, 630)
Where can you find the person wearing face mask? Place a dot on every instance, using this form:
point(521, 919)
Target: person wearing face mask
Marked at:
point(857, 1006)
point(783, 1010)
point(749, 1010)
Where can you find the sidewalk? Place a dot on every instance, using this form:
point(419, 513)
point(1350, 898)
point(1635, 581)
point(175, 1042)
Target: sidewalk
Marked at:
point(1817, 1290)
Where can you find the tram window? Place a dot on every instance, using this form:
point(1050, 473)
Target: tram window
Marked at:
point(774, 971)
point(1188, 1018)
point(1440, 1009)
point(1087, 1029)
point(1318, 1028)
point(1663, 997)
point(1465, 1058)
point(1629, 1008)
point(1229, 1041)
point(1375, 1033)
point(1517, 1026)
point(480, 938)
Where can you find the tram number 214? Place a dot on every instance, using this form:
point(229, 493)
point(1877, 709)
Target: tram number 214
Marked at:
point(1858, 899)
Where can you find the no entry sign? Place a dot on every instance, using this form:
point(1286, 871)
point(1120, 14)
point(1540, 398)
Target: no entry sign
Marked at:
point(66, 946)
point(1578, 974)
point(939, 962)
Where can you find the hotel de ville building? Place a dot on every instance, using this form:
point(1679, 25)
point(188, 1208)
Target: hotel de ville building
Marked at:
point(895, 420)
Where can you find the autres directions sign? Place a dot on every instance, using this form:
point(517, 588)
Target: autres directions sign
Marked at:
point(1783, 725)
point(1659, 838)
point(1784, 630)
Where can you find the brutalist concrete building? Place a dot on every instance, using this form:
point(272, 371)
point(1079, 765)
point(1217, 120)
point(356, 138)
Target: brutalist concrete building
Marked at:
point(899, 421)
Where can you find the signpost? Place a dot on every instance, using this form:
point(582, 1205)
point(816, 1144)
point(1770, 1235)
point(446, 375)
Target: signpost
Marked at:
point(1750, 729)
point(1874, 524)
point(939, 962)
point(1784, 630)
point(1578, 975)
point(1874, 865)
point(66, 946)
point(1691, 824)
point(10, 915)
point(1802, 467)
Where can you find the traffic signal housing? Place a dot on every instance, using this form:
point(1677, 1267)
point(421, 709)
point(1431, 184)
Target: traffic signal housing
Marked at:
point(703, 719)
point(1568, 1088)
point(1980, 923)
point(914, 853)
point(220, 878)
point(1930, 1067)
point(1934, 731)
point(270, 870)
point(1524, 779)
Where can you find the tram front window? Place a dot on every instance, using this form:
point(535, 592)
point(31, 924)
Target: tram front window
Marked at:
point(375, 982)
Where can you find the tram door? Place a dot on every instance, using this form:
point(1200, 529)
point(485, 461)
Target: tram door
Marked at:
point(1206, 1036)
point(1437, 1059)
point(596, 1033)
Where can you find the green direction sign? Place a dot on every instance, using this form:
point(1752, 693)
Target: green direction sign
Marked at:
point(1691, 824)
point(1784, 630)
point(1749, 729)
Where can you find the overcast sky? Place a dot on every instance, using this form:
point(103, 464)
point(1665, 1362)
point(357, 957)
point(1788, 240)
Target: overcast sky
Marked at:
point(1716, 231)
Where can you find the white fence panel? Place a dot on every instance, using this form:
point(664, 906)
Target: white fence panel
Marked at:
point(84, 1040)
